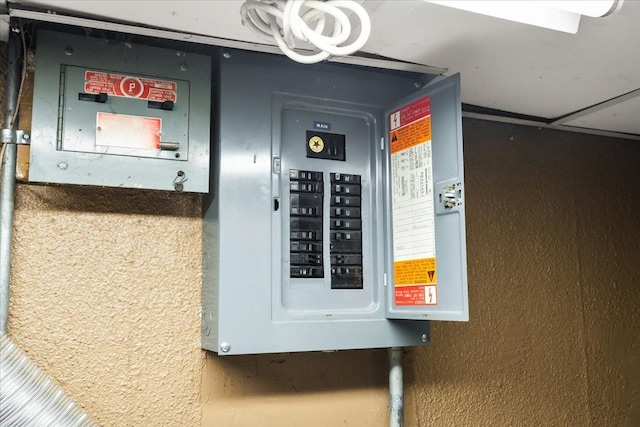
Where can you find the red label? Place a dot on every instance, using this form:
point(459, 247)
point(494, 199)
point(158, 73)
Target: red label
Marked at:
point(130, 86)
point(409, 295)
point(410, 113)
point(121, 130)
point(416, 295)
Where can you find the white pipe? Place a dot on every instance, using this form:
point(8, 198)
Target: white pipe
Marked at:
point(396, 392)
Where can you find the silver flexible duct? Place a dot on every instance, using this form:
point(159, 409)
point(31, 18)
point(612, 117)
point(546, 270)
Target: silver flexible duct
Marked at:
point(28, 398)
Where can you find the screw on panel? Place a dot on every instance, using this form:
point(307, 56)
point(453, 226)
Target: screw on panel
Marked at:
point(184, 66)
point(424, 337)
point(181, 54)
point(63, 165)
point(68, 50)
point(225, 347)
point(226, 55)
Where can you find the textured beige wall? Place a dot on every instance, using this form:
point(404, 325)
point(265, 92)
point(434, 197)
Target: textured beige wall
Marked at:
point(554, 251)
point(105, 299)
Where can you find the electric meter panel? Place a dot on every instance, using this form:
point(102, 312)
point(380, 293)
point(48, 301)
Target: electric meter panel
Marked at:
point(337, 220)
point(119, 114)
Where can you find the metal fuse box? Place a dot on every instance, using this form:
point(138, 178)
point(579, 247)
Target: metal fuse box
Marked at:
point(336, 218)
point(120, 114)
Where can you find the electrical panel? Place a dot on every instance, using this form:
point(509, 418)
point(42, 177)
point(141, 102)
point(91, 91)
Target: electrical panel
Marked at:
point(336, 217)
point(119, 114)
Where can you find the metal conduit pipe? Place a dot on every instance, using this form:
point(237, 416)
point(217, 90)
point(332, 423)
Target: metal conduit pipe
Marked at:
point(8, 185)
point(28, 398)
point(396, 392)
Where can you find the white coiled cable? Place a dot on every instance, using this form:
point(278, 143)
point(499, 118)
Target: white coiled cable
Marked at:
point(286, 21)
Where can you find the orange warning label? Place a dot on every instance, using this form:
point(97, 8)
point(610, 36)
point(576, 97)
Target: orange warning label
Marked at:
point(410, 135)
point(415, 271)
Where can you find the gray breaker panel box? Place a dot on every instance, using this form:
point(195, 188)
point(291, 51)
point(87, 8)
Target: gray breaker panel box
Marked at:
point(298, 233)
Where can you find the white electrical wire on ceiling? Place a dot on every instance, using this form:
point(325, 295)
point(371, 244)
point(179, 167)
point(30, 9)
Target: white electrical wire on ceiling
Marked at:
point(288, 21)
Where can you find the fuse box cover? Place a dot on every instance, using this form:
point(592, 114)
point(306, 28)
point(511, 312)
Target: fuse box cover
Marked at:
point(119, 114)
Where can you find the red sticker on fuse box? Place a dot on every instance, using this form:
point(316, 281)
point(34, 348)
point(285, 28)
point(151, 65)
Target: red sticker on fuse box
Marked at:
point(122, 130)
point(130, 86)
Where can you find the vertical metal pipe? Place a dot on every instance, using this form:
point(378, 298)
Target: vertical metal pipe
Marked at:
point(27, 396)
point(396, 392)
point(8, 186)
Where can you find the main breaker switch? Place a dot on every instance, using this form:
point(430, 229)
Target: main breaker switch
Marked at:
point(323, 145)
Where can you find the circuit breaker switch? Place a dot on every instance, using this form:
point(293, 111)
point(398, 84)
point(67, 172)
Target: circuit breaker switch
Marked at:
point(345, 200)
point(305, 235)
point(298, 175)
point(346, 189)
point(345, 212)
point(342, 224)
point(345, 177)
point(306, 187)
point(306, 272)
point(346, 235)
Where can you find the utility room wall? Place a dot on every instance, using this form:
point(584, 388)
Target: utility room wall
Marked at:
point(553, 254)
point(553, 258)
point(105, 298)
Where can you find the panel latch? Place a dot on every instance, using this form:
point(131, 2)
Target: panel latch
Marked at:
point(451, 196)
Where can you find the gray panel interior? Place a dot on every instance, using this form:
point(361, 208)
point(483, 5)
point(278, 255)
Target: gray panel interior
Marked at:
point(306, 297)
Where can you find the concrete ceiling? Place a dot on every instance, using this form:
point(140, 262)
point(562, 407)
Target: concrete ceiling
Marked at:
point(590, 79)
